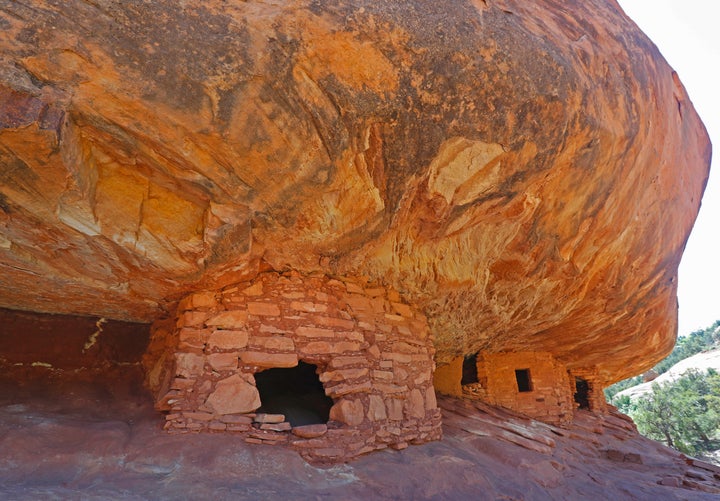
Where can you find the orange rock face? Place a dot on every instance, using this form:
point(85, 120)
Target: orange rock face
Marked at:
point(525, 174)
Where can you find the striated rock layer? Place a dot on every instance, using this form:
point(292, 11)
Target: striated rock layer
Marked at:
point(524, 173)
point(101, 441)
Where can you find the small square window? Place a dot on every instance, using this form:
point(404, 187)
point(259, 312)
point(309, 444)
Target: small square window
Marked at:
point(522, 376)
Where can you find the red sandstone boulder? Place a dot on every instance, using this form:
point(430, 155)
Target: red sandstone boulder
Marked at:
point(234, 395)
point(349, 412)
point(525, 173)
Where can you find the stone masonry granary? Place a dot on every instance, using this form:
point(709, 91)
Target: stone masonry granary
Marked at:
point(373, 355)
point(533, 383)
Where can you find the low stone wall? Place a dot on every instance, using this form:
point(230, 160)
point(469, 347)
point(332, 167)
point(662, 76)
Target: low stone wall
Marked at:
point(68, 347)
point(374, 357)
point(447, 378)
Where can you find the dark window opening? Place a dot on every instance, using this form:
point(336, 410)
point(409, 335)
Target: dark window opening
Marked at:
point(295, 392)
point(522, 376)
point(582, 392)
point(469, 370)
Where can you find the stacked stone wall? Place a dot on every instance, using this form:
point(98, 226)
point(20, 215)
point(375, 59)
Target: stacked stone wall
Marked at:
point(553, 386)
point(374, 356)
point(549, 398)
point(596, 397)
point(447, 378)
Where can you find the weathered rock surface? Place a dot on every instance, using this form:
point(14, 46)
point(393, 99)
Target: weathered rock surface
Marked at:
point(526, 173)
point(102, 440)
point(37, 345)
point(83, 427)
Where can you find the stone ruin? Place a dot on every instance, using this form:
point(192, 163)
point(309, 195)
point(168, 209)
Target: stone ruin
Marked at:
point(334, 369)
point(532, 383)
point(345, 369)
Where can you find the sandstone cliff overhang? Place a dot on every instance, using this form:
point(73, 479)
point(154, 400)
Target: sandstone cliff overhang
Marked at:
point(524, 173)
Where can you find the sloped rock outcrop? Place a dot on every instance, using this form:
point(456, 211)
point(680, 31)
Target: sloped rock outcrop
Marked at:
point(524, 173)
point(113, 449)
point(76, 422)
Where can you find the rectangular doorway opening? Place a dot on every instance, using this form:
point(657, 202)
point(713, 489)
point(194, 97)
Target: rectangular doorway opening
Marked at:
point(582, 393)
point(469, 370)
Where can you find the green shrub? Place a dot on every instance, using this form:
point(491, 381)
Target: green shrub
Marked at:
point(685, 413)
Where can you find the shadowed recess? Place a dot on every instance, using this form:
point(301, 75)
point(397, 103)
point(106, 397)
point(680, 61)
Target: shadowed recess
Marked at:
point(295, 392)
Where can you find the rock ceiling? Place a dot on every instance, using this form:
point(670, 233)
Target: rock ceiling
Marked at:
point(527, 173)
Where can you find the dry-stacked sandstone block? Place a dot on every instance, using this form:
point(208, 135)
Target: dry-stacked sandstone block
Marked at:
point(546, 396)
point(373, 353)
point(533, 383)
point(593, 396)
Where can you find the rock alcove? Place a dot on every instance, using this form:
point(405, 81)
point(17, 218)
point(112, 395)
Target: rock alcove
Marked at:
point(372, 188)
